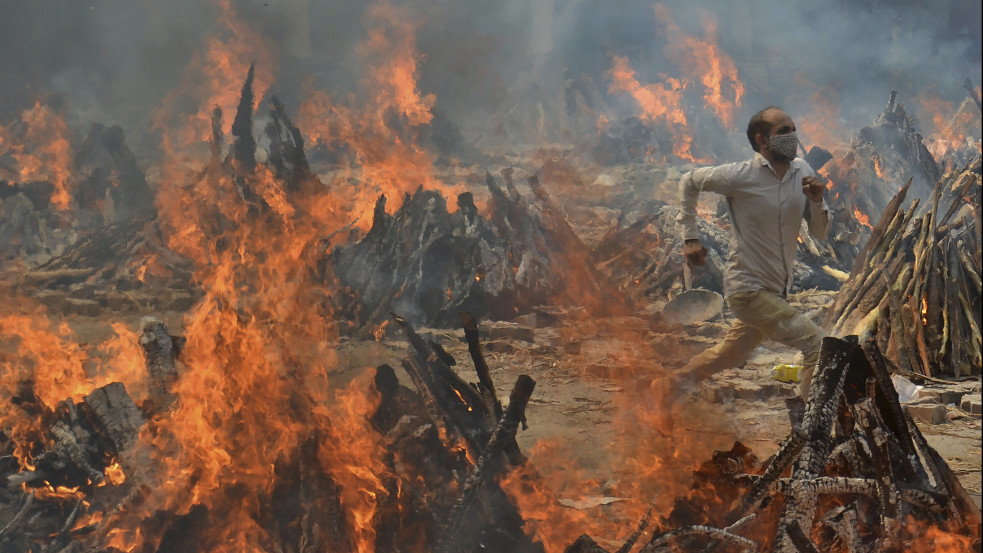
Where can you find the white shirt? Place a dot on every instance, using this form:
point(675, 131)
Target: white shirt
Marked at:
point(765, 214)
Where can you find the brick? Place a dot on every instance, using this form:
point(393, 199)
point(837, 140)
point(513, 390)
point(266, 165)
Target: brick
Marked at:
point(972, 403)
point(717, 393)
point(929, 412)
point(748, 391)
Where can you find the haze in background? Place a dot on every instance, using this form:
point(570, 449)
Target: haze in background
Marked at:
point(492, 66)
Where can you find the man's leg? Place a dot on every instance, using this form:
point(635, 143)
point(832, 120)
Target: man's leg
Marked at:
point(732, 352)
point(775, 318)
point(736, 348)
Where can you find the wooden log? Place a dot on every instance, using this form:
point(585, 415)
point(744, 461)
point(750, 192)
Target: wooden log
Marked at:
point(699, 530)
point(115, 416)
point(455, 398)
point(959, 505)
point(932, 306)
point(629, 543)
point(423, 389)
point(913, 316)
point(899, 334)
point(958, 328)
point(887, 492)
point(480, 365)
point(835, 358)
point(160, 350)
point(881, 227)
point(843, 521)
point(969, 269)
point(451, 539)
point(788, 452)
point(15, 522)
point(889, 404)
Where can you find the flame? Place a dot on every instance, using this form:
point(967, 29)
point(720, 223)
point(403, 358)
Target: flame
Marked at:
point(659, 102)
point(42, 151)
point(212, 79)
point(877, 168)
point(380, 332)
point(380, 134)
point(949, 128)
point(702, 60)
point(862, 217)
point(931, 538)
point(114, 474)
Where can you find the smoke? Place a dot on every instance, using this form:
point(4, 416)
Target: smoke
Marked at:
point(501, 71)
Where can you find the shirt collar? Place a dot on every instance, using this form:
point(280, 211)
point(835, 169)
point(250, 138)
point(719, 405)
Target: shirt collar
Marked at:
point(765, 163)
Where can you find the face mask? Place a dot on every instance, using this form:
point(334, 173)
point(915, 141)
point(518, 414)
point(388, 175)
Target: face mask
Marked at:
point(785, 145)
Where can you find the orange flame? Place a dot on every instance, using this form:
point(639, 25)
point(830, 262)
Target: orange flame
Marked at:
point(381, 133)
point(877, 168)
point(659, 102)
point(862, 217)
point(948, 128)
point(820, 124)
point(701, 60)
point(42, 151)
point(213, 78)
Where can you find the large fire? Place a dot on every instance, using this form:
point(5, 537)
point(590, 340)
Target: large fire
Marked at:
point(379, 127)
point(702, 66)
point(260, 392)
point(42, 151)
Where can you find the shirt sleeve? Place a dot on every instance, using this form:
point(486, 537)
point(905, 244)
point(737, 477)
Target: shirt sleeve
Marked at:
point(818, 219)
point(816, 214)
point(710, 179)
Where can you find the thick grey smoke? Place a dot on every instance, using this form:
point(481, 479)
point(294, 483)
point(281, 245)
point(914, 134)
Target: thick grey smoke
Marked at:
point(493, 66)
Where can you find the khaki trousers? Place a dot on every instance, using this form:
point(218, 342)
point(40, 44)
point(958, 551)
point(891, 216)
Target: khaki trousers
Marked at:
point(760, 315)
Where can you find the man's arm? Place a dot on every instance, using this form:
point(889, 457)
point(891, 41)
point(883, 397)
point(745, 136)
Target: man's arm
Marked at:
point(690, 186)
point(816, 212)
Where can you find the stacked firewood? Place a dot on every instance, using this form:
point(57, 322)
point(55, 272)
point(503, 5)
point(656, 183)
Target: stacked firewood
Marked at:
point(429, 263)
point(856, 475)
point(916, 283)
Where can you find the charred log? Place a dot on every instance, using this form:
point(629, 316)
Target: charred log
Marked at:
point(896, 477)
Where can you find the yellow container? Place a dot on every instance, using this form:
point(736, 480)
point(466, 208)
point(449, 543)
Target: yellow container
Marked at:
point(786, 373)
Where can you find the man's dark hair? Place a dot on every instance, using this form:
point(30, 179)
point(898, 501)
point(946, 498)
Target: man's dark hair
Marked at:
point(758, 125)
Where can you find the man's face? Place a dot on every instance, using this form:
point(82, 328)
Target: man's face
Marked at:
point(781, 124)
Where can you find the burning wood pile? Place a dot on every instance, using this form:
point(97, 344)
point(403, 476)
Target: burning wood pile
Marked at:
point(446, 442)
point(857, 475)
point(916, 284)
point(887, 152)
point(430, 264)
point(51, 197)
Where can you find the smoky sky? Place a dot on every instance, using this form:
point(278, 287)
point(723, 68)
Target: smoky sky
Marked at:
point(113, 61)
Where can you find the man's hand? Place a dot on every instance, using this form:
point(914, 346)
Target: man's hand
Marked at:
point(813, 188)
point(695, 253)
